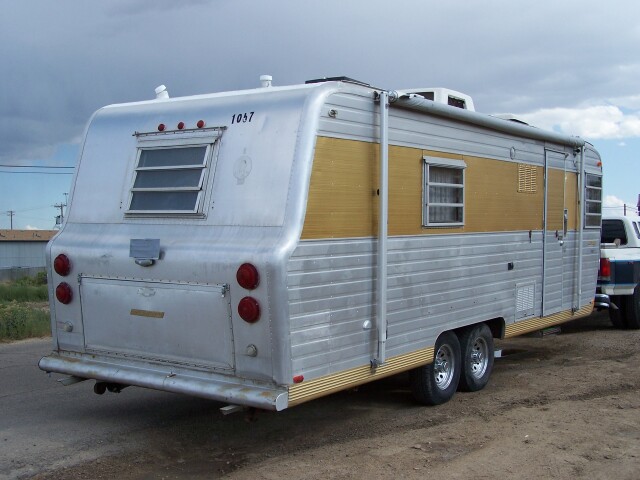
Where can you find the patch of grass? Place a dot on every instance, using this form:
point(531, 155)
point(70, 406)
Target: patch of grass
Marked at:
point(39, 279)
point(23, 293)
point(19, 321)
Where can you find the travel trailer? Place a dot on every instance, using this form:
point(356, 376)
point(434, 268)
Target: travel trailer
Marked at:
point(270, 246)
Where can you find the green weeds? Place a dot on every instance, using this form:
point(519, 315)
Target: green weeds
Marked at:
point(19, 321)
point(24, 312)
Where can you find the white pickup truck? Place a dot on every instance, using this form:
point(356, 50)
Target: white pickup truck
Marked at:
point(619, 275)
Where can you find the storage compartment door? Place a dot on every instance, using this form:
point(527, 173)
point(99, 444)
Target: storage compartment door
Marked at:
point(168, 322)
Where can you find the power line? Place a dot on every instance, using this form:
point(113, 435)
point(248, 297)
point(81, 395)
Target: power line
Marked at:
point(40, 173)
point(32, 166)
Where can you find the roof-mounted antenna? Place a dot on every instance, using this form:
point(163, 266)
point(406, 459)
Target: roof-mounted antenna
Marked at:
point(161, 92)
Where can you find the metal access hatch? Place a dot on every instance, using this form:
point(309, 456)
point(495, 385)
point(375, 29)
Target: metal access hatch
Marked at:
point(187, 324)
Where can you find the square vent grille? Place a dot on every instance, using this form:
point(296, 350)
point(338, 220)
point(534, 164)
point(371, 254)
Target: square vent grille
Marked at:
point(527, 178)
point(525, 295)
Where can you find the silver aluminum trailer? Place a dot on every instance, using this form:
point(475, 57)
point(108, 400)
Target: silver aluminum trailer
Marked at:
point(270, 246)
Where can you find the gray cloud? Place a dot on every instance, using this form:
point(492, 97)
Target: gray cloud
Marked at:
point(63, 60)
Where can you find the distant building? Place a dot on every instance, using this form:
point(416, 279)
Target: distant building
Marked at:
point(22, 252)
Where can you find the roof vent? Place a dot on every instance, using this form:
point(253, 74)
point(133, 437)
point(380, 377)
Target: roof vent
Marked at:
point(265, 80)
point(445, 96)
point(161, 92)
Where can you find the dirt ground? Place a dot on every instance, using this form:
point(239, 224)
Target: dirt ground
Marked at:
point(562, 406)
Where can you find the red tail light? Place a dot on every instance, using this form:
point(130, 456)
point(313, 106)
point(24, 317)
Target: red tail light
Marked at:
point(200, 124)
point(605, 269)
point(248, 276)
point(249, 309)
point(62, 265)
point(64, 294)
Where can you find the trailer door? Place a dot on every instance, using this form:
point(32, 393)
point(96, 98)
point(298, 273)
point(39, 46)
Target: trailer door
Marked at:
point(556, 248)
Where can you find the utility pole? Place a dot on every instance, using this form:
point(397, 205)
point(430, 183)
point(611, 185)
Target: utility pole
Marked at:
point(61, 205)
point(11, 213)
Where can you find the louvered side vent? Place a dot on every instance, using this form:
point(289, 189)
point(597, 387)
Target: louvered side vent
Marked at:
point(525, 294)
point(527, 178)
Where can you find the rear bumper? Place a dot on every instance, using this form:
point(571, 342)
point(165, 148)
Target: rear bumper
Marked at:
point(617, 288)
point(198, 383)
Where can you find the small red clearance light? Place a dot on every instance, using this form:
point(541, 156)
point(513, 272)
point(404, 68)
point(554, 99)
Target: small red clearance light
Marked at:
point(64, 294)
point(249, 309)
point(161, 127)
point(298, 379)
point(62, 265)
point(200, 123)
point(180, 125)
point(248, 276)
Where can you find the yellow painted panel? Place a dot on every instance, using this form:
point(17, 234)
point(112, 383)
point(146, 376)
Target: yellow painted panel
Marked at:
point(563, 193)
point(571, 199)
point(342, 195)
point(343, 201)
point(492, 200)
point(555, 200)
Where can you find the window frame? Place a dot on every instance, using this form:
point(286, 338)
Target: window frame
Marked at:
point(587, 201)
point(449, 163)
point(175, 140)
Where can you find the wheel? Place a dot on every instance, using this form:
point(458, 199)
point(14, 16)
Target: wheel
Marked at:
point(435, 383)
point(99, 388)
point(632, 309)
point(618, 315)
point(476, 345)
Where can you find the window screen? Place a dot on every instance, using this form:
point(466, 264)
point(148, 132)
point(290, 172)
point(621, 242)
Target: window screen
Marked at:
point(593, 200)
point(443, 192)
point(169, 179)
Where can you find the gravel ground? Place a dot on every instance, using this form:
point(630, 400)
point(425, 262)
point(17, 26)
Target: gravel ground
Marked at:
point(562, 406)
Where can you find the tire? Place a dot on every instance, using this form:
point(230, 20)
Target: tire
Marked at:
point(435, 383)
point(618, 315)
point(476, 345)
point(632, 309)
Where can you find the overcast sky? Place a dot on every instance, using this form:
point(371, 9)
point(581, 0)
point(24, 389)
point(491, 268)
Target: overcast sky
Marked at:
point(571, 66)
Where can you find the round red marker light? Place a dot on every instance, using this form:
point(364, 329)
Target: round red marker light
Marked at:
point(248, 276)
point(249, 309)
point(200, 123)
point(180, 125)
point(62, 265)
point(64, 294)
point(298, 379)
point(161, 127)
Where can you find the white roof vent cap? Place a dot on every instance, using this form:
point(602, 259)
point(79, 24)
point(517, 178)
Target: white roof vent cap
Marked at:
point(161, 92)
point(265, 80)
